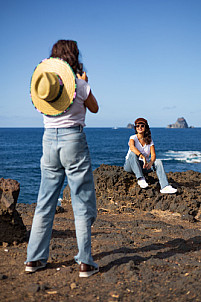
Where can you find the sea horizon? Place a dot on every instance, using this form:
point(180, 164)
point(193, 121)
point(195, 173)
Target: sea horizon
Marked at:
point(96, 127)
point(21, 151)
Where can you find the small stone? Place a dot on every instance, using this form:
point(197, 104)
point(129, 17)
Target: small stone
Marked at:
point(33, 288)
point(73, 285)
point(59, 209)
point(114, 295)
point(2, 277)
point(52, 292)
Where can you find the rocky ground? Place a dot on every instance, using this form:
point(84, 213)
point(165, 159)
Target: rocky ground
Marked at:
point(147, 246)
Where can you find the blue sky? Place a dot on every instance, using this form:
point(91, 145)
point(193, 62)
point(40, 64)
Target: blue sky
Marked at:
point(142, 57)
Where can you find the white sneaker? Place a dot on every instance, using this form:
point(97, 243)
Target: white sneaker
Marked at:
point(168, 190)
point(142, 183)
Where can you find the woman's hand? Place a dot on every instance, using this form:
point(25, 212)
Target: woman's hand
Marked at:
point(144, 161)
point(83, 76)
point(149, 165)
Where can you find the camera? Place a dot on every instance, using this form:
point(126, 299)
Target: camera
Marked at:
point(80, 69)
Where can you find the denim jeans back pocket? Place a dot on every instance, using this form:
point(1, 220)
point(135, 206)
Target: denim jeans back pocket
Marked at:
point(46, 151)
point(74, 150)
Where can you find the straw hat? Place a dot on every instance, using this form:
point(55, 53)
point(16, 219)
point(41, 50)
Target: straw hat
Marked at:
point(53, 86)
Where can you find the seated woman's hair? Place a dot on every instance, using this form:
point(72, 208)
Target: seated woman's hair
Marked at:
point(147, 133)
point(68, 51)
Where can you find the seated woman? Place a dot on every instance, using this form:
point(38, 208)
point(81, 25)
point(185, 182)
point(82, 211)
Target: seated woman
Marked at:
point(141, 146)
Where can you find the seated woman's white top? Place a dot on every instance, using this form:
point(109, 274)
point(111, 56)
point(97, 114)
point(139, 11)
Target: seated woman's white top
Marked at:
point(145, 150)
point(75, 115)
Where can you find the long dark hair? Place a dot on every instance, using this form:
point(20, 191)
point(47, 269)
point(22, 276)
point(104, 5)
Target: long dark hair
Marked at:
point(69, 52)
point(147, 134)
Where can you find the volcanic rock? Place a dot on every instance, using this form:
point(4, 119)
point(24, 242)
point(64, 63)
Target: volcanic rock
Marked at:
point(117, 191)
point(180, 123)
point(130, 126)
point(142, 255)
point(12, 228)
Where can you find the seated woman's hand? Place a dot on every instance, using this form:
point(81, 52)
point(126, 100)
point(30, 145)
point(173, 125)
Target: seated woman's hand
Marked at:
point(145, 163)
point(149, 165)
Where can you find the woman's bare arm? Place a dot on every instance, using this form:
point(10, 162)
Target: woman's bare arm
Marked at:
point(91, 102)
point(137, 152)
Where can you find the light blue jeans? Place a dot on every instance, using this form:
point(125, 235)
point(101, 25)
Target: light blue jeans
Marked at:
point(133, 164)
point(65, 152)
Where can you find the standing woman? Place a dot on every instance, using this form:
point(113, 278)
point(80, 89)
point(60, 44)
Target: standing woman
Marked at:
point(141, 147)
point(62, 95)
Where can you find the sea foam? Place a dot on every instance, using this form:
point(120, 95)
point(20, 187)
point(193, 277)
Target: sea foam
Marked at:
point(185, 156)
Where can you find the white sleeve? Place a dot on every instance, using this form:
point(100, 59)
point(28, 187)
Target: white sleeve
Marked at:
point(83, 89)
point(152, 143)
point(132, 137)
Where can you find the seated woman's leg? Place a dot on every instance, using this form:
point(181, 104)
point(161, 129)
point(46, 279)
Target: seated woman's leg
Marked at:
point(132, 164)
point(161, 173)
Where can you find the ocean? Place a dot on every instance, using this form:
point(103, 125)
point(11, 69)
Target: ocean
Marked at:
point(21, 150)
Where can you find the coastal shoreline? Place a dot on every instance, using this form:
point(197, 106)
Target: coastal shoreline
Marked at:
point(148, 245)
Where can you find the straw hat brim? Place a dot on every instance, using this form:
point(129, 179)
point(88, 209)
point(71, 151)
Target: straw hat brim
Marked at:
point(67, 76)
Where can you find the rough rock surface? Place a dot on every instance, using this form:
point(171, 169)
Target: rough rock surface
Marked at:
point(143, 256)
point(117, 191)
point(12, 228)
point(180, 123)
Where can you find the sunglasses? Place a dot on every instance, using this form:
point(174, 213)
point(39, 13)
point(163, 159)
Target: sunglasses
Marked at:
point(140, 125)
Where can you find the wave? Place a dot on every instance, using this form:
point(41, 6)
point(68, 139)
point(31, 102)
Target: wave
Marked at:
point(185, 156)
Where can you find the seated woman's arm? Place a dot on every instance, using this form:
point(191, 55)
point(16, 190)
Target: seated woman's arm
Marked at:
point(137, 152)
point(153, 157)
point(133, 148)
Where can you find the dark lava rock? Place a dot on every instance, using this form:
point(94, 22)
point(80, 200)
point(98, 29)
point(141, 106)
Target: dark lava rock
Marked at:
point(59, 209)
point(2, 277)
point(9, 192)
point(12, 228)
point(117, 191)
